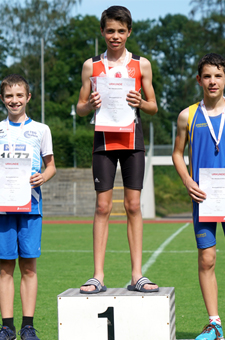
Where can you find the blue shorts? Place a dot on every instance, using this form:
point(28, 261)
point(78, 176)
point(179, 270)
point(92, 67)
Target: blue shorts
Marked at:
point(20, 235)
point(205, 232)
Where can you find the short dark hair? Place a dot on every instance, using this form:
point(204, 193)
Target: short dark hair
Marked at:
point(211, 59)
point(14, 79)
point(118, 13)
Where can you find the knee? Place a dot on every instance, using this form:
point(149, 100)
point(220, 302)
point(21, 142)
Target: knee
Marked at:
point(103, 208)
point(132, 206)
point(28, 267)
point(7, 267)
point(207, 260)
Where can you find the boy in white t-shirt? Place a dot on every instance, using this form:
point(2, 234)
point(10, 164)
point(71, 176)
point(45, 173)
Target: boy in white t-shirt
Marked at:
point(20, 232)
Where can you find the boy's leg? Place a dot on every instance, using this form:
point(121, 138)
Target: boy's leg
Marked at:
point(208, 284)
point(7, 287)
point(104, 169)
point(100, 234)
point(132, 166)
point(135, 233)
point(207, 278)
point(28, 287)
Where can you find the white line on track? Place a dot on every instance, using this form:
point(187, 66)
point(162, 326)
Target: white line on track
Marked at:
point(115, 251)
point(156, 253)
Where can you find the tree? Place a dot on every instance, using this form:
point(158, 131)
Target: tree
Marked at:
point(207, 7)
point(3, 68)
point(24, 25)
point(174, 42)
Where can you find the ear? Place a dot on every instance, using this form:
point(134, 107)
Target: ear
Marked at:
point(28, 98)
point(199, 80)
point(129, 32)
point(1, 98)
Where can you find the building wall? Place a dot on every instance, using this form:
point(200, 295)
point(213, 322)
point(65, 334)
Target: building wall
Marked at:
point(71, 192)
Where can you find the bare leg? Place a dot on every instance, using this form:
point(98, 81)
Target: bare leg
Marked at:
point(135, 233)
point(207, 278)
point(100, 234)
point(28, 287)
point(7, 287)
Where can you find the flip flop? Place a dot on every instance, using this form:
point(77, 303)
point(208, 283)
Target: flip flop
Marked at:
point(139, 286)
point(97, 284)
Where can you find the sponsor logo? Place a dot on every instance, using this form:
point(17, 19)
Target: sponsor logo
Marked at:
point(2, 133)
point(21, 208)
point(201, 125)
point(19, 147)
point(201, 235)
point(30, 134)
point(97, 180)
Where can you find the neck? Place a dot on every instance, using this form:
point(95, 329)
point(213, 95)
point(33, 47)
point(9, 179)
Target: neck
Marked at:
point(116, 55)
point(17, 118)
point(214, 106)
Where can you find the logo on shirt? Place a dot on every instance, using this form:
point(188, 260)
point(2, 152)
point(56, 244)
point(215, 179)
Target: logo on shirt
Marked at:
point(2, 133)
point(30, 134)
point(201, 125)
point(131, 72)
point(19, 147)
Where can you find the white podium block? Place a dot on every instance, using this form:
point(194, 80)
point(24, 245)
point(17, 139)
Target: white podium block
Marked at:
point(117, 314)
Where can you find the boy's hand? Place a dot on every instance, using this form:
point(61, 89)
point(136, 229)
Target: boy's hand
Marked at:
point(134, 98)
point(194, 191)
point(95, 100)
point(37, 180)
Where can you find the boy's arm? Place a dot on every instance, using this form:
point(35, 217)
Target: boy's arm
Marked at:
point(148, 105)
point(178, 158)
point(87, 101)
point(38, 179)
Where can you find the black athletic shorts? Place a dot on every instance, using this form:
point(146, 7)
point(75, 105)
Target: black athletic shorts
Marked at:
point(132, 163)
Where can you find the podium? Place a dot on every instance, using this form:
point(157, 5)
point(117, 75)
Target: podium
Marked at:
point(117, 314)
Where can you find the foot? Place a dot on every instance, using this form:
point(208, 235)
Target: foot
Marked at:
point(88, 287)
point(7, 334)
point(147, 286)
point(91, 287)
point(212, 331)
point(28, 333)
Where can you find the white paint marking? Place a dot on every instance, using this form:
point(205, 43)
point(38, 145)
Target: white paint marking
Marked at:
point(156, 253)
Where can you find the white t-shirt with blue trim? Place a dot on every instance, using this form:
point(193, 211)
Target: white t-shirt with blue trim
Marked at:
point(35, 142)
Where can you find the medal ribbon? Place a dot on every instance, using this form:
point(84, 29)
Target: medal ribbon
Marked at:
point(217, 140)
point(12, 147)
point(106, 61)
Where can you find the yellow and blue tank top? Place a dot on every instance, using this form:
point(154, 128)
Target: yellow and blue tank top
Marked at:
point(202, 147)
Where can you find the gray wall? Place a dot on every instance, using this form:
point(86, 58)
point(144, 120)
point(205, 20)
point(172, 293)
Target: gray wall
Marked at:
point(71, 192)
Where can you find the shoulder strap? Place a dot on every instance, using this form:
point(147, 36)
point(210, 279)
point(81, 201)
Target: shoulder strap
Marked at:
point(135, 57)
point(96, 58)
point(192, 110)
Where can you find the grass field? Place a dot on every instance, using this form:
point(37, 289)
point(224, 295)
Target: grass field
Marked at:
point(66, 262)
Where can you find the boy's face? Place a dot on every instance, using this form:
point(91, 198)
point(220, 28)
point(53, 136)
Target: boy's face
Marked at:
point(115, 34)
point(212, 81)
point(15, 100)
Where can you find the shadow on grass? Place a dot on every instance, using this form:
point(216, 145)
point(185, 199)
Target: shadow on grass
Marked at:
point(185, 335)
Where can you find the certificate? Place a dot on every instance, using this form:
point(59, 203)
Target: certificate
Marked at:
point(15, 188)
point(212, 182)
point(114, 114)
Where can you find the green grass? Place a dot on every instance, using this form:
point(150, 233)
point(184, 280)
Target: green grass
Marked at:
point(63, 265)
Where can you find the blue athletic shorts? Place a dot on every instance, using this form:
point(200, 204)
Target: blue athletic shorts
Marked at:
point(20, 235)
point(205, 232)
point(104, 164)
